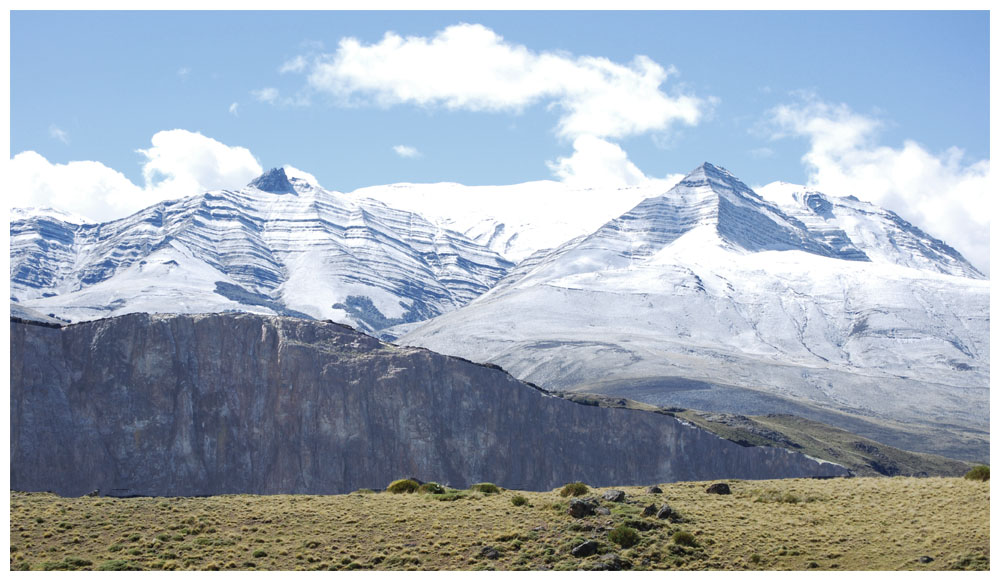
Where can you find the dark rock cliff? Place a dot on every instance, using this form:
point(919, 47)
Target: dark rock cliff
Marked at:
point(236, 403)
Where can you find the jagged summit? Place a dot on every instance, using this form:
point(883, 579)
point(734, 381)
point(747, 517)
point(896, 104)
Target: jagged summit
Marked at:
point(275, 181)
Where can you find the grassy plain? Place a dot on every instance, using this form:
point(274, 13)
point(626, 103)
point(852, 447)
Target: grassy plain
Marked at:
point(798, 524)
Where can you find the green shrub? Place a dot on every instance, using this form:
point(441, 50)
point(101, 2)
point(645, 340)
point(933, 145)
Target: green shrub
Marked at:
point(624, 536)
point(684, 538)
point(364, 491)
point(431, 488)
point(401, 486)
point(67, 564)
point(118, 565)
point(978, 473)
point(574, 489)
point(259, 553)
point(485, 488)
point(519, 500)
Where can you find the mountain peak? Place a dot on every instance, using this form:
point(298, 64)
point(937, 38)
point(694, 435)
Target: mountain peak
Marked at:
point(710, 198)
point(707, 174)
point(275, 181)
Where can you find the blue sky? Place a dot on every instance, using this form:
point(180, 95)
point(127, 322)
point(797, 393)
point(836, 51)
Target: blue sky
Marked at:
point(817, 97)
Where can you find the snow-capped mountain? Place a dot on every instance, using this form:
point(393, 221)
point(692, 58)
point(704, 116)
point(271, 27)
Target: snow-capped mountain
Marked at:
point(712, 297)
point(278, 245)
point(515, 220)
point(706, 295)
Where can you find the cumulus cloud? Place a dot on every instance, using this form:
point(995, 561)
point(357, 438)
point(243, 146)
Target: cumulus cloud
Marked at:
point(943, 194)
point(58, 134)
point(182, 163)
point(406, 151)
point(179, 163)
point(87, 188)
point(470, 67)
point(596, 163)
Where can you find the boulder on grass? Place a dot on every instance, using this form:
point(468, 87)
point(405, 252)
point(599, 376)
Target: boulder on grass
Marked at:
point(581, 508)
point(718, 488)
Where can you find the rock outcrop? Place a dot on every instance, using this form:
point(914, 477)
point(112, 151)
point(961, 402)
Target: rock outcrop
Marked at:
point(238, 403)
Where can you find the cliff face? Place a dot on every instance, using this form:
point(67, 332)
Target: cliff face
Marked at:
point(214, 404)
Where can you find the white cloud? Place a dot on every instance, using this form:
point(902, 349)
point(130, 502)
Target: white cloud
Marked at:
point(294, 65)
point(183, 73)
point(265, 95)
point(406, 151)
point(182, 163)
point(57, 133)
point(272, 96)
point(234, 109)
point(294, 172)
point(88, 188)
point(596, 163)
point(943, 194)
point(179, 163)
point(470, 67)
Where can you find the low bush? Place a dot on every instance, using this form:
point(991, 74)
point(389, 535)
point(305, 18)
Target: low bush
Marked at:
point(431, 488)
point(485, 488)
point(67, 564)
point(624, 536)
point(519, 500)
point(684, 538)
point(403, 486)
point(574, 489)
point(978, 473)
point(118, 565)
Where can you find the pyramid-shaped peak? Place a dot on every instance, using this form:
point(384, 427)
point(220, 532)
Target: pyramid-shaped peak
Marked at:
point(711, 199)
point(708, 167)
point(708, 174)
point(274, 181)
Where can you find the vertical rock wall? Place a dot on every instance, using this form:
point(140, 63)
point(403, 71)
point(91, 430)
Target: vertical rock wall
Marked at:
point(180, 405)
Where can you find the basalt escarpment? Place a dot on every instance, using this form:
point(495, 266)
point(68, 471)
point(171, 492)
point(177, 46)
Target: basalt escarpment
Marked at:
point(237, 403)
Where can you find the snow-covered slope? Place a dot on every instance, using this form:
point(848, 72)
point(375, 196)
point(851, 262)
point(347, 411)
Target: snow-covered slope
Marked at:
point(516, 220)
point(882, 235)
point(276, 246)
point(858, 315)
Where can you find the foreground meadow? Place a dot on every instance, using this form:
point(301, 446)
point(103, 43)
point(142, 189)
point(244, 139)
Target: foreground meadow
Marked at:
point(840, 524)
